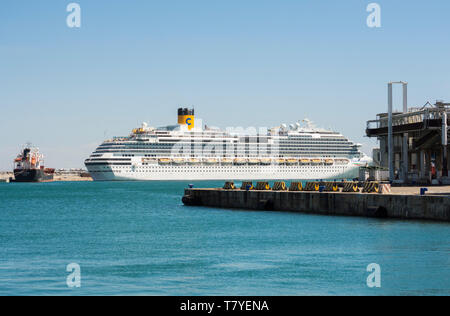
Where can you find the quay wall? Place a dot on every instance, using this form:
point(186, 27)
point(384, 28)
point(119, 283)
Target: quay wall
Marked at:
point(427, 207)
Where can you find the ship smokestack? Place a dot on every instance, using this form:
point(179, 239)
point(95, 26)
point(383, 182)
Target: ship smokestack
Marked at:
point(186, 117)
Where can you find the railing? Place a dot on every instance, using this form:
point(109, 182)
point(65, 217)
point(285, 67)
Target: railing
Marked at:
point(407, 118)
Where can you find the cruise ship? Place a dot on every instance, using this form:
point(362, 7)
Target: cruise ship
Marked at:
point(190, 151)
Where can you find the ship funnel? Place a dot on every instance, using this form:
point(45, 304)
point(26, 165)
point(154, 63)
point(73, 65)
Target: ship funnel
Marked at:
point(186, 117)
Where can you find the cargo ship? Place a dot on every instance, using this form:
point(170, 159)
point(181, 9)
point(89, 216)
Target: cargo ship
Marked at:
point(29, 166)
point(189, 151)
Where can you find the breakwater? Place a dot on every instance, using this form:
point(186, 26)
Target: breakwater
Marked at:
point(58, 177)
point(404, 206)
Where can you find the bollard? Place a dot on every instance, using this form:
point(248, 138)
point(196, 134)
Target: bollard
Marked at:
point(262, 186)
point(423, 190)
point(296, 186)
point(191, 186)
point(331, 187)
point(279, 186)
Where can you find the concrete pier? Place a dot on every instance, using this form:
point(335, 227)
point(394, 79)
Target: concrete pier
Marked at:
point(402, 206)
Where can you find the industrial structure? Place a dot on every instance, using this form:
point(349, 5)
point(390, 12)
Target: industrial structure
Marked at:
point(413, 142)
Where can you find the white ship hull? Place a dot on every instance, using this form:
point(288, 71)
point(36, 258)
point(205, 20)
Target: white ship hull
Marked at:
point(204, 172)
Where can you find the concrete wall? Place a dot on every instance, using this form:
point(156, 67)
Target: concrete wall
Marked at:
point(348, 204)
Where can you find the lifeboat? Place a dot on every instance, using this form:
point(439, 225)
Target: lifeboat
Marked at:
point(240, 161)
point(138, 131)
point(280, 161)
point(18, 160)
point(316, 161)
point(164, 161)
point(194, 161)
point(305, 161)
point(266, 161)
point(329, 162)
point(149, 160)
point(211, 161)
point(179, 161)
point(226, 161)
point(291, 161)
point(342, 161)
point(253, 162)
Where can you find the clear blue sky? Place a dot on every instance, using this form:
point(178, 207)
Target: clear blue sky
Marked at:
point(240, 62)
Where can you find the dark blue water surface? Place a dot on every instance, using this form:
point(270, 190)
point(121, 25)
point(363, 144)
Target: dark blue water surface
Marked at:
point(138, 238)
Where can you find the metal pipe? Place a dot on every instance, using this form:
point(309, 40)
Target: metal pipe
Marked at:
point(405, 135)
point(390, 140)
point(444, 144)
point(405, 97)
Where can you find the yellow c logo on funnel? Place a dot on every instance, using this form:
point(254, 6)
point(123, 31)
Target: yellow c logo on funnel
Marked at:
point(190, 122)
point(186, 120)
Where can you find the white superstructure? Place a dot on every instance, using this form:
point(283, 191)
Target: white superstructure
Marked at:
point(188, 152)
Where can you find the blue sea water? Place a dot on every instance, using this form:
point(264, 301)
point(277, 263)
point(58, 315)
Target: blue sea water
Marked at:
point(138, 239)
